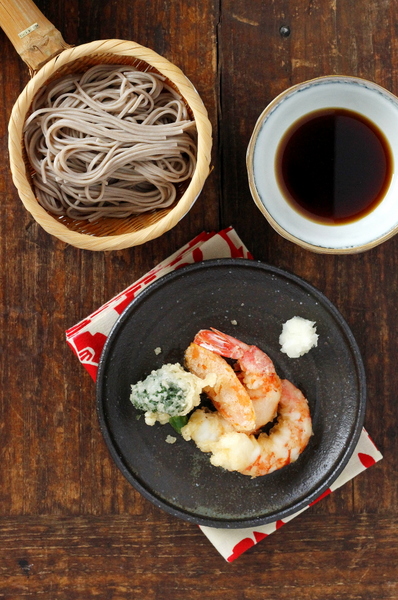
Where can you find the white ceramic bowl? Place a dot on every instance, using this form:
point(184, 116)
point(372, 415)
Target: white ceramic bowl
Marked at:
point(351, 93)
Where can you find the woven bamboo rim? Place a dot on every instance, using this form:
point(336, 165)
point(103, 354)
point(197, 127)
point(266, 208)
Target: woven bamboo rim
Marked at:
point(109, 233)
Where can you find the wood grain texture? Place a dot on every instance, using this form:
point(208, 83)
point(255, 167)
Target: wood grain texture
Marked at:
point(71, 527)
point(51, 557)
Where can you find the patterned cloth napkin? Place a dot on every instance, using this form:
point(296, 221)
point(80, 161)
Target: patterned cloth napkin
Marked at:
point(88, 337)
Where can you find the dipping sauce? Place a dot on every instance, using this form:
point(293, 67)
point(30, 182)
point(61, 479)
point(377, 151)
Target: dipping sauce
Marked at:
point(334, 166)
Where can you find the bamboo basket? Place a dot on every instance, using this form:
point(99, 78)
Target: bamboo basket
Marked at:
point(48, 57)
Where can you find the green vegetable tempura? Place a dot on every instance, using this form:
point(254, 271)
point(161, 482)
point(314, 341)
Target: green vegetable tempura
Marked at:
point(168, 392)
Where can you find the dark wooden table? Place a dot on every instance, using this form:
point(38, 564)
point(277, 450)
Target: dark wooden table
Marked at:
point(71, 527)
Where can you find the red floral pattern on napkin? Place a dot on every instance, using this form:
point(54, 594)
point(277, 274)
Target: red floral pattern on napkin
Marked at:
point(88, 338)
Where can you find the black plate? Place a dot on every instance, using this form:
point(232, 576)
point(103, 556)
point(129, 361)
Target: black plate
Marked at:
point(179, 478)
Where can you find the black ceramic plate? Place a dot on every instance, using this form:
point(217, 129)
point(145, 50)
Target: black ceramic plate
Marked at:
point(259, 298)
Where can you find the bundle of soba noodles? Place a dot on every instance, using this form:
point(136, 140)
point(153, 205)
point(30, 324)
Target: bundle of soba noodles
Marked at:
point(113, 142)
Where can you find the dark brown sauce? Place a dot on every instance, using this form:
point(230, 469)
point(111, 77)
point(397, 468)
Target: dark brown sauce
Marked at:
point(334, 166)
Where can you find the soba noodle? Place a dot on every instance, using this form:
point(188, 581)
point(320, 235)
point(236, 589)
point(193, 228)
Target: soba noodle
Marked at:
point(113, 142)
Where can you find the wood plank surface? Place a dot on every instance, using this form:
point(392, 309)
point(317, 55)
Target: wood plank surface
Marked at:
point(124, 557)
point(71, 527)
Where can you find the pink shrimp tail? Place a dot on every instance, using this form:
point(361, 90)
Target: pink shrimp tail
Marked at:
point(250, 358)
point(220, 343)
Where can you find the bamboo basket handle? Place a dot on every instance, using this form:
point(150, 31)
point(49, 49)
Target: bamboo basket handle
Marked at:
point(33, 36)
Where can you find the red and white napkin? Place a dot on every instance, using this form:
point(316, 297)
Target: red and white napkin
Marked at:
point(88, 337)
